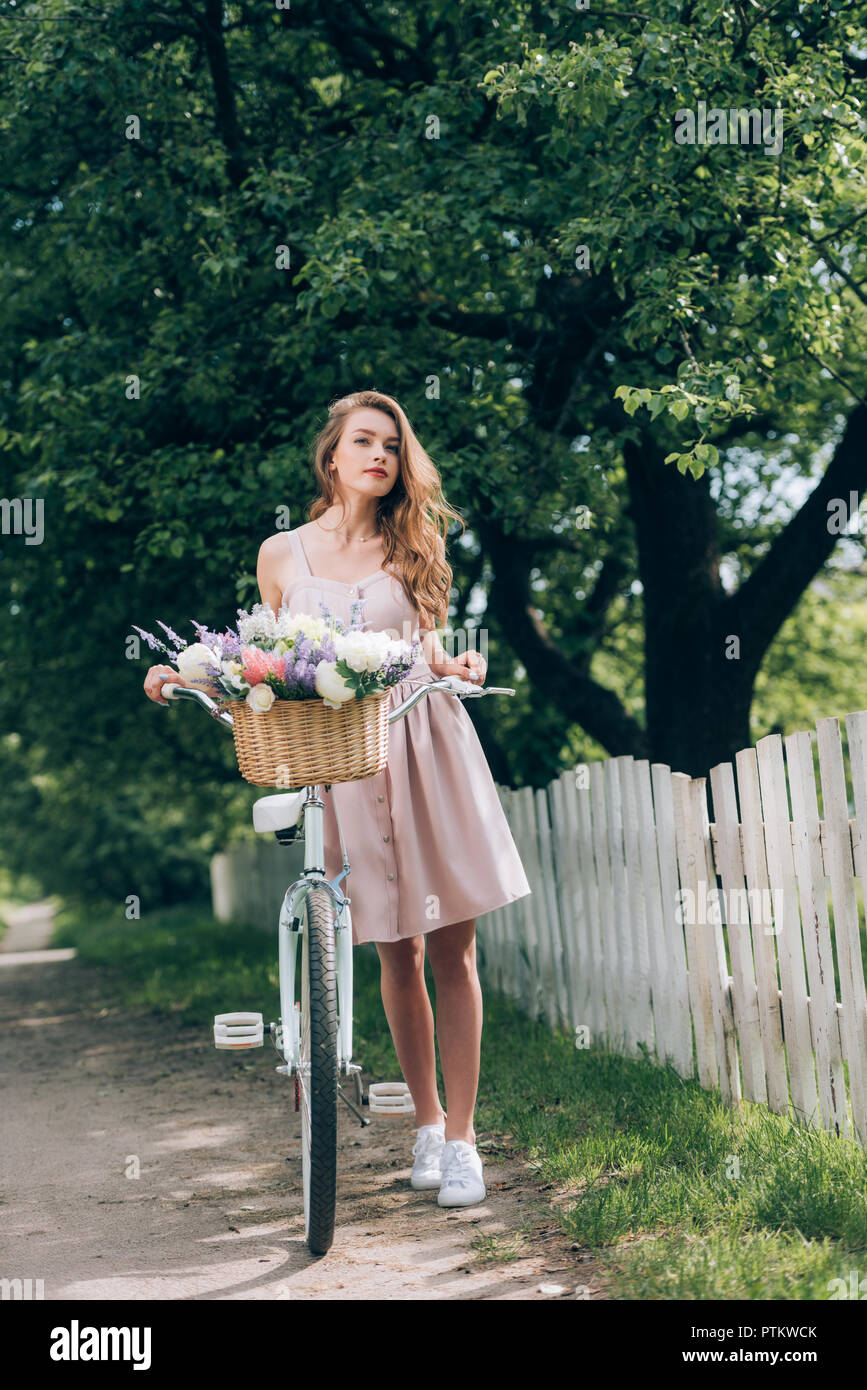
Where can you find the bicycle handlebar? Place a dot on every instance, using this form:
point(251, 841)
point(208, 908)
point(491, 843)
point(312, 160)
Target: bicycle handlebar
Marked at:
point(453, 684)
point(185, 692)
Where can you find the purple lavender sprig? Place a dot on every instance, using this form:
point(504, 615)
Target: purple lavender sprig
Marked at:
point(228, 640)
point(179, 642)
point(155, 643)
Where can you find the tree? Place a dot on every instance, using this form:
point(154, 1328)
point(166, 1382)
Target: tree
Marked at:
point(221, 217)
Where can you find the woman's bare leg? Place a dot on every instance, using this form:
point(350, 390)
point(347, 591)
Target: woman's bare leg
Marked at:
point(410, 1018)
point(452, 954)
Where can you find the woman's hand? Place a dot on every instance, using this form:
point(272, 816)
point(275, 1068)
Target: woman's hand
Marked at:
point(470, 666)
point(153, 682)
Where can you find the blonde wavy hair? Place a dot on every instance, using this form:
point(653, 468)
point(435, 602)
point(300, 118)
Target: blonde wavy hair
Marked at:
point(413, 517)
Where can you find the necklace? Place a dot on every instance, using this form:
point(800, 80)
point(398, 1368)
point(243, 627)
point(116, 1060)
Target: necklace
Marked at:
point(350, 538)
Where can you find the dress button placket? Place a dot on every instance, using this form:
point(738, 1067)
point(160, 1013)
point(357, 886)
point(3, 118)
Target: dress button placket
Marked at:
point(387, 840)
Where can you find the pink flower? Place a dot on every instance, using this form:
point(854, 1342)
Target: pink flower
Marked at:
point(257, 664)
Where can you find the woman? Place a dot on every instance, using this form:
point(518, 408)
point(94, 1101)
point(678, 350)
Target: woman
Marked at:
point(430, 847)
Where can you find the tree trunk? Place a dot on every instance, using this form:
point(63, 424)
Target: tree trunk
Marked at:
point(704, 647)
point(697, 700)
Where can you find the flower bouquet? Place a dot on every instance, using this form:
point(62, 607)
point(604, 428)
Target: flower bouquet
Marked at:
point(309, 696)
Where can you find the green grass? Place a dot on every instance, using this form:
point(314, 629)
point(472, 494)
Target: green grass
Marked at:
point(675, 1196)
point(493, 1248)
point(679, 1196)
point(176, 961)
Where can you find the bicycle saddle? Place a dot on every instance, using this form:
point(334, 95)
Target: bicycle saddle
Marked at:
point(278, 812)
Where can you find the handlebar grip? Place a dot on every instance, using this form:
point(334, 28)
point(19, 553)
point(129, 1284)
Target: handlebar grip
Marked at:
point(167, 690)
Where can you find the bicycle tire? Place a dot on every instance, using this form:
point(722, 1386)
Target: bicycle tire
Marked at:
point(319, 1074)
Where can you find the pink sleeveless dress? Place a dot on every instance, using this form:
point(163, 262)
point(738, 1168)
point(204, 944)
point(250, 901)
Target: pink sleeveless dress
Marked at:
point(427, 838)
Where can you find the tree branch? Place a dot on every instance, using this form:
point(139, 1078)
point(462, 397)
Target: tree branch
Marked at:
point(761, 605)
point(565, 684)
point(211, 29)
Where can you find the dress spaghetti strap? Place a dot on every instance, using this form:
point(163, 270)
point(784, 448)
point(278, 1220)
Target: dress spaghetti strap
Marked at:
point(298, 552)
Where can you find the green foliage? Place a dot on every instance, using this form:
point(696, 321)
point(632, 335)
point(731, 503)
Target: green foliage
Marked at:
point(403, 210)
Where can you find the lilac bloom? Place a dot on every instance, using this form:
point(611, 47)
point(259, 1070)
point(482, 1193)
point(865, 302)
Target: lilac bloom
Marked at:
point(180, 642)
point(227, 640)
point(155, 643)
point(306, 675)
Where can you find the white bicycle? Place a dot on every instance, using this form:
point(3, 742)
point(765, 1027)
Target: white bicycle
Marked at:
point(314, 1035)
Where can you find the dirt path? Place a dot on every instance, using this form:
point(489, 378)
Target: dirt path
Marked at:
point(91, 1094)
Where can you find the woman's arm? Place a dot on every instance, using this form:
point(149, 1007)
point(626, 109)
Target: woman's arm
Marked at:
point(431, 648)
point(470, 665)
point(275, 567)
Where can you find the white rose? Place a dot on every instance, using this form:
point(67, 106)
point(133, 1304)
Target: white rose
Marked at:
point(261, 697)
point(198, 663)
point(379, 647)
point(331, 685)
point(232, 678)
point(362, 651)
point(354, 649)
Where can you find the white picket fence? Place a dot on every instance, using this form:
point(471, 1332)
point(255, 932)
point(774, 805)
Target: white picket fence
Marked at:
point(249, 880)
point(606, 946)
point(612, 852)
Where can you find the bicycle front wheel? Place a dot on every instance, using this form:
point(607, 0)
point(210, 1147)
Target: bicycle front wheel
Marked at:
point(318, 1072)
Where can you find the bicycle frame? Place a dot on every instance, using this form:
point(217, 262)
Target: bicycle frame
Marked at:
point(289, 930)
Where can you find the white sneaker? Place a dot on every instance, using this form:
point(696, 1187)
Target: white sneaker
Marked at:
point(462, 1182)
point(428, 1148)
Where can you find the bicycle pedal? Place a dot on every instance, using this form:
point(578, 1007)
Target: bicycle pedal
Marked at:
point(239, 1030)
point(390, 1098)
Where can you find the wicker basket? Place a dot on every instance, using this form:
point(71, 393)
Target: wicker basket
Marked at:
point(299, 742)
